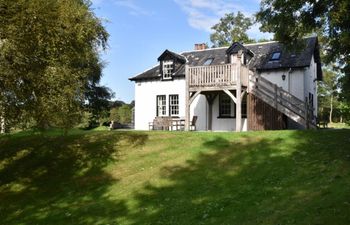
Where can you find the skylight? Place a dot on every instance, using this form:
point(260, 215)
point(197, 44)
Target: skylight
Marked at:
point(208, 61)
point(276, 56)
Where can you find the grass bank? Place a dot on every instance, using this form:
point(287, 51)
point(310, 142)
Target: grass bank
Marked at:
point(113, 177)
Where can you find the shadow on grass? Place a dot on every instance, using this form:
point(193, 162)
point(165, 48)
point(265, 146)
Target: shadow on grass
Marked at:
point(61, 180)
point(298, 178)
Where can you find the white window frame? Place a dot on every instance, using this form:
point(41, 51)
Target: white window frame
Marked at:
point(161, 105)
point(174, 105)
point(168, 69)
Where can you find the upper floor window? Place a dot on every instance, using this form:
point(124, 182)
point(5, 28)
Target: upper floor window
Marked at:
point(275, 56)
point(168, 69)
point(208, 61)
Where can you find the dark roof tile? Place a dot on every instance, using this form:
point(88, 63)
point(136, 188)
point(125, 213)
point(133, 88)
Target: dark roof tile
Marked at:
point(261, 60)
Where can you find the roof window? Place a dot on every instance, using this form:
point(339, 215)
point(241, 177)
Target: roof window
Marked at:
point(208, 61)
point(275, 56)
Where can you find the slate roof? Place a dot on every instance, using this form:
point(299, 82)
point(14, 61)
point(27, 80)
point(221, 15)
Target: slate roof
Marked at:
point(261, 60)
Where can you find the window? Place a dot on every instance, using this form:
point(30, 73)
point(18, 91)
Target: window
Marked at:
point(244, 106)
point(161, 105)
point(168, 67)
point(275, 56)
point(174, 105)
point(208, 61)
point(311, 100)
point(224, 105)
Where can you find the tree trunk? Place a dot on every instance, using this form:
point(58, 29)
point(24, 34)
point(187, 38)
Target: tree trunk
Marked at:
point(331, 111)
point(2, 125)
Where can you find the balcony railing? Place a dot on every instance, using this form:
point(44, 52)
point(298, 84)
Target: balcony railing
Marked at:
point(216, 76)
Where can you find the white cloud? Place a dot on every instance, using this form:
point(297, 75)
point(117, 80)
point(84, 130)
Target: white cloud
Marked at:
point(203, 14)
point(133, 8)
point(255, 33)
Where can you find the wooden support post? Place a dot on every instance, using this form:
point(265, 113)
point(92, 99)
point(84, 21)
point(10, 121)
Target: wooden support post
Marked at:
point(210, 99)
point(238, 93)
point(187, 100)
point(210, 116)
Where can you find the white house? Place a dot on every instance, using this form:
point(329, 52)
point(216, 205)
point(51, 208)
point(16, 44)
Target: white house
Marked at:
point(277, 88)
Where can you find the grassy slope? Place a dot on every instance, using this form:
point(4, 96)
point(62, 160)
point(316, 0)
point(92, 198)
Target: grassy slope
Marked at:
point(101, 177)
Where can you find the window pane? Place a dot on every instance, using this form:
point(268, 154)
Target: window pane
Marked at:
point(174, 104)
point(208, 61)
point(276, 56)
point(168, 68)
point(225, 105)
point(161, 105)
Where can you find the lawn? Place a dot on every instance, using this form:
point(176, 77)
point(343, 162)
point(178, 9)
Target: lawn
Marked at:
point(126, 177)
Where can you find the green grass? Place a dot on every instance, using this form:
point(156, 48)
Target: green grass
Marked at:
point(121, 177)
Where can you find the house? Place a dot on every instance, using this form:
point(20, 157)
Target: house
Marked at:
point(242, 87)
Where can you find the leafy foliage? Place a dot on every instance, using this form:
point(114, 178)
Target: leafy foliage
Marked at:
point(122, 114)
point(328, 94)
point(49, 59)
point(231, 28)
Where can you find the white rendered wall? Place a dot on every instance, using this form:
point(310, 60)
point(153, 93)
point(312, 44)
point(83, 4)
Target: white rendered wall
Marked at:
point(145, 106)
point(310, 83)
point(294, 82)
point(145, 99)
point(298, 82)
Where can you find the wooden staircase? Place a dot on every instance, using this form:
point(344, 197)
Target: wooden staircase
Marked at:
point(286, 103)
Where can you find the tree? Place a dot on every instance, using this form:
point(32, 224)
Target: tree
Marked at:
point(290, 20)
point(122, 114)
point(49, 59)
point(328, 92)
point(231, 28)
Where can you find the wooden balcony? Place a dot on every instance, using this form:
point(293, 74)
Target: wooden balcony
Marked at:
point(216, 77)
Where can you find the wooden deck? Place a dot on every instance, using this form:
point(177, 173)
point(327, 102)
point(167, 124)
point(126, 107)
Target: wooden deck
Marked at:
point(217, 77)
point(237, 76)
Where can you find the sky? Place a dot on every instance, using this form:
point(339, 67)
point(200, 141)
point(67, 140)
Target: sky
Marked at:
point(140, 30)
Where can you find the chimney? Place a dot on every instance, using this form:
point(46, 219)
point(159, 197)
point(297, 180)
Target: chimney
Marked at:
point(201, 46)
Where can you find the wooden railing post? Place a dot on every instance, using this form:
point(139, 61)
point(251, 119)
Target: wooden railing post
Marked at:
point(275, 91)
point(187, 99)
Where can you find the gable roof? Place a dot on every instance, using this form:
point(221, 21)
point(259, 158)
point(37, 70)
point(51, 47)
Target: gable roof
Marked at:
point(260, 61)
point(236, 47)
point(168, 53)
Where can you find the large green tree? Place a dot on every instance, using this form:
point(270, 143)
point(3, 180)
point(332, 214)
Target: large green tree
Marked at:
point(49, 59)
point(328, 93)
point(290, 20)
point(231, 28)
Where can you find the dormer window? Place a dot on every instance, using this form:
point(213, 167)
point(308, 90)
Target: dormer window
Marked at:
point(275, 56)
point(168, 69)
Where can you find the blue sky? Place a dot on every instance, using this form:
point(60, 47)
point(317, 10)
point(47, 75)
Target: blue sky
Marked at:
point(140, 30)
